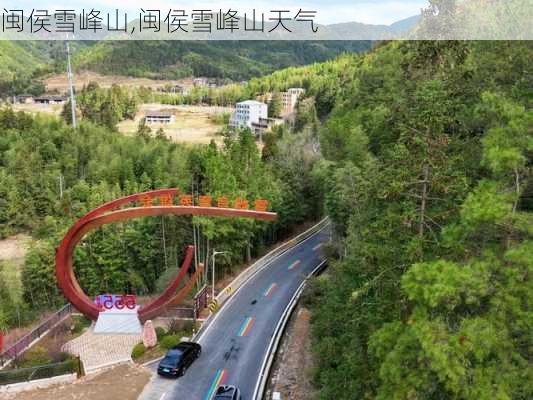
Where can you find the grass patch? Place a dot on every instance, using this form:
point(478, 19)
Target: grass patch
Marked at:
point(11, 274)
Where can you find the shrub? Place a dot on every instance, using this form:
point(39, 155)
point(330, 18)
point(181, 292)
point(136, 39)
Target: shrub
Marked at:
point(170, 341)
point(80, 323)
point(188, 327)
point(62, 356)
point(34, 357)
point(160, 333)
point(173, 326)
point(138, 351)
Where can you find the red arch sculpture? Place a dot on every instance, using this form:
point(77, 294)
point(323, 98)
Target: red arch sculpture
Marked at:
point(109, 213)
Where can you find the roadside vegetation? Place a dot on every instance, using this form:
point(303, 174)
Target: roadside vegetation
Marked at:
point(427, 176)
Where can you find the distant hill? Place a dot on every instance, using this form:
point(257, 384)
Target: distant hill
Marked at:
point(236, 60)
point(24, 58)
point(19, 58)
point(405, 24)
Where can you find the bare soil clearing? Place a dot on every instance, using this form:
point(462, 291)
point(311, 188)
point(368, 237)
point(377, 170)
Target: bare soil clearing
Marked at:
point(124, 382)
point(13, 248)
point(192, 124)
point(59, 82)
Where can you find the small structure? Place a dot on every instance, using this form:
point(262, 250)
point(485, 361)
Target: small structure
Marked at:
point(159, 117)
point(200, 81)
point(23, 99)
point(50, 99)
point(117, 321)
point(248, 113)
point(178, 89)
point(265, 124)
point(174, 89)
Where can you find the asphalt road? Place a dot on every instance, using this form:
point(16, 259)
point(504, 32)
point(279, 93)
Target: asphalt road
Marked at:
point(236, 341)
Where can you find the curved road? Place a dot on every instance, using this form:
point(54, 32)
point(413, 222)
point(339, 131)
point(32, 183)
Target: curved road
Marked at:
point(235, 343)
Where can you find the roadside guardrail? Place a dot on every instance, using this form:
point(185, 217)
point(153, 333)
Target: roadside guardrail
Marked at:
point(26, 341)
point(265, 261)
point(278, 334)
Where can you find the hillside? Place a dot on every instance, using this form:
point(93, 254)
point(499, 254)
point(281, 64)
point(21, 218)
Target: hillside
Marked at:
point(427, 177)
point(233, 60)
point(23, 64)
point(27, 58)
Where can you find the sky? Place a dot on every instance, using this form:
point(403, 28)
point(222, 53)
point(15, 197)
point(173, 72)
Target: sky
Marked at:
point(328, 12)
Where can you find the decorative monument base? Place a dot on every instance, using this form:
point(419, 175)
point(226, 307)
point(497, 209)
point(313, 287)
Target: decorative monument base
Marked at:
point(115, 321)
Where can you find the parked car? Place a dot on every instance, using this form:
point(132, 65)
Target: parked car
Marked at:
point(227, 392)
point(178, 359)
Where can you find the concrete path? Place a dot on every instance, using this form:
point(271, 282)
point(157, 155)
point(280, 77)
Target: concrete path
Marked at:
point(100, 350)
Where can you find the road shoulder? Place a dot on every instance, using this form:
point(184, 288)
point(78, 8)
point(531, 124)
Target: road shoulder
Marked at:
point(292, 370)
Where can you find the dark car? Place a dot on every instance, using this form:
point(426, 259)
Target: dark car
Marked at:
point(178, 359)
point(227, 392)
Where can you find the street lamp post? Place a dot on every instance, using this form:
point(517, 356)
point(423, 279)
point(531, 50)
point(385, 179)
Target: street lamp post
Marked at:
point(215, 253)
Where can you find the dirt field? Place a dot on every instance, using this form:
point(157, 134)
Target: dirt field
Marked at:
point(12, 252)
point(191, 123)
point(52, 109)
point(291, 375)
point(124, 382)
point(13, 248)
point(60, 83)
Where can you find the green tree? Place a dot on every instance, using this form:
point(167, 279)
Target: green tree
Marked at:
point(275, 106)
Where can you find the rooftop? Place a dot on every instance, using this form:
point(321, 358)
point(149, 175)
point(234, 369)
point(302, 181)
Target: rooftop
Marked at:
point(50, 97)
point(163, 114)
point(251, 103)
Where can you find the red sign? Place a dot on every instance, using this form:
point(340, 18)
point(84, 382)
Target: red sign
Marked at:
point(187, 200)
point(118, 301)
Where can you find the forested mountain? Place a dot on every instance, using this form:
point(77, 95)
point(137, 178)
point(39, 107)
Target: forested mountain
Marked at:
point(428, 178)
point(23, 64)
point(171, 59)
point(236, 60)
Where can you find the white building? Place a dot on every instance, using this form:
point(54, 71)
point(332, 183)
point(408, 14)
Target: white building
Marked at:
point(202, 81)
point(247, 113)
point(290, 99)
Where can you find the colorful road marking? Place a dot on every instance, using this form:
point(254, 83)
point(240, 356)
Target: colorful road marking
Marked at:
point(246, 327)
point(318, 246)
point(294, 265)
point(220, 378)
point(271, 289)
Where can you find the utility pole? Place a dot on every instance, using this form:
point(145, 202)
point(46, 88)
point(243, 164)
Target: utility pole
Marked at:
point(71, 86)
point(215, 253)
